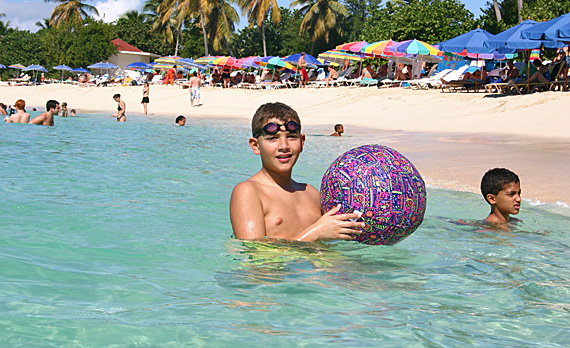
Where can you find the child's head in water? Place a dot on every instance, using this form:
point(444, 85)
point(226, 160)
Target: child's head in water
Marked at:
point(338, 130)
point(501, 189)
point(180, 120)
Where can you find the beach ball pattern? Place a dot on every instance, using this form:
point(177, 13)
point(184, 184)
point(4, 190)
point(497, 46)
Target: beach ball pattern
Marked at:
point(383, 185)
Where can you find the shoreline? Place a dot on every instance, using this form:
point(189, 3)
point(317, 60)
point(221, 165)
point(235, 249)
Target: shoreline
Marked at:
point(453, 139)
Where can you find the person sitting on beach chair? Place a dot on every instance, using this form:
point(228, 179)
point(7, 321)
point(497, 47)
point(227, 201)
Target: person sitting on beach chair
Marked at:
point(511, 71)
point(537, 75)
point(403, 72)
point(333, 75)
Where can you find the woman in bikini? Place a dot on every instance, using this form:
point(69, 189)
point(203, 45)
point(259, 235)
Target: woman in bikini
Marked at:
point(145, 99)
point(121, 109)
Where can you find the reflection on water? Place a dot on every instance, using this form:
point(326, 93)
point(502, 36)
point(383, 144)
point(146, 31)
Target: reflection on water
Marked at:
point(118, 235)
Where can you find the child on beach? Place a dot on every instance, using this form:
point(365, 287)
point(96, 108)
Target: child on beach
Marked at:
point(180, 120)
point(338, 130)
point(121, 109)
point(502, 190)
point(72, 113)
point(145, 100)
point(271, 204)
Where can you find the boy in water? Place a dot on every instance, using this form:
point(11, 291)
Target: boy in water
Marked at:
point(502, 190)
point(180, 120)
point(270, 203)
point(64, 109)
point(338, 130)
point(46, 118)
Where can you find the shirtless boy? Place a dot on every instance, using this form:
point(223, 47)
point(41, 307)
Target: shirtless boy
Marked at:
point(21, 116)
point(195, 83)
point(271, 204)
point(501, 188)
point(46, 118)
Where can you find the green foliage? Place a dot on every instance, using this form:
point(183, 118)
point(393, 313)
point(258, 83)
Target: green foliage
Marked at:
point(431, 21)
point(138, 32)
point(192, 41)
point(358, 12)
point(20, 47)
point(79, 45)
point(537, 10)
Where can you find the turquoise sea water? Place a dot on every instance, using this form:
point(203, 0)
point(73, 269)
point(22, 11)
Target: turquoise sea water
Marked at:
point(118, 235)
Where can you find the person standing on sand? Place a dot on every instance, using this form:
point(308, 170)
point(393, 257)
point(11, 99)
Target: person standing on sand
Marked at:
point(46, 118)
point(145, 100)
point(20, 116)
point(195, 83)
point(303, 69)
point(121, 109)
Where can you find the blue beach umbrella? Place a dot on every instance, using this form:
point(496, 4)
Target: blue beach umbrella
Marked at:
point(34, 67)
point(511, 39)
point(62, 68)
point(2, 66)
point(546, 30)
point(294, 58)
point(470, 42)
point(138, 65)
point(80, 71)
point(102, 65)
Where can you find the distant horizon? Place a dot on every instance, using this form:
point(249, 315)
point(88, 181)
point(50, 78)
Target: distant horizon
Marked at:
point(17, 11)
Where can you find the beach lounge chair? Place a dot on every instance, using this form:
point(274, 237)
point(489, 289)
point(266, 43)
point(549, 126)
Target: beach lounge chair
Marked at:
point(429, 82)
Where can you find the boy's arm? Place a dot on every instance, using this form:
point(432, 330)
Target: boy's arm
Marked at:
point(38, 119)
point(246, 212)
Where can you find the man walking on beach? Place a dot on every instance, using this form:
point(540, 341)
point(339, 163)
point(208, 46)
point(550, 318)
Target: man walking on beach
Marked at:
point(195, 83)
point(46, 119)
point(303, 70)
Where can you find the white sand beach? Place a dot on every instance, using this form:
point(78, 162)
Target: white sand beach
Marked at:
point(453, 138)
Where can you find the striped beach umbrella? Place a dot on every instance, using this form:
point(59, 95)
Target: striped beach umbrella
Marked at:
point(224, 61)
point(339, 56)
point(205, 60)
point(248, 62)
point(413, 47)
point(354, 47)
point(17, 66)
point(377, 49)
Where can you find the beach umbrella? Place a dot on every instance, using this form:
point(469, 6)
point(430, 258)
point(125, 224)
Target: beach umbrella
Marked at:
point(511, 39)
point(224, 61)
point(138, 65)
point(34, 67)
point(546, 30)
point(189, 63)
point(102, 65)
point(275, 63)
point(470, 42)
point(205, 59)
point(17, 66)
point(294, 58)
point(377, 49)
point(172, 60)
point(323, 61)
point(413, 47)
point(2, 66)
point(354, 47)
point(248, 62)
point(339, 56)
point(80, 71)
point(62, 68)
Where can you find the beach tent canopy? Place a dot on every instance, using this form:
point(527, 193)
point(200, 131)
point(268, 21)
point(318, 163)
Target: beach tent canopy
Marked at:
point(470, 42)
point(294, 58)
point(511, 39)
point(34, 67)
point(62, 68)
point(546, 30)
point(102, 65)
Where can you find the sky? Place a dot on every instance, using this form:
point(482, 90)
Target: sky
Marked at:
point(23, 14)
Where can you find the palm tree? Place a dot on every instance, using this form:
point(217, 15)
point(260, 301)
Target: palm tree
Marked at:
point(257, 10)
point(320, 18)
point(497, 10)
point(135, 16)
point(43, 24)
point(221, 24)
point(519, 9)
point(4, 25)
point(70, 11)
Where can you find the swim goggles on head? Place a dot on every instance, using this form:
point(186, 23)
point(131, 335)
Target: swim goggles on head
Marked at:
point(273, 128)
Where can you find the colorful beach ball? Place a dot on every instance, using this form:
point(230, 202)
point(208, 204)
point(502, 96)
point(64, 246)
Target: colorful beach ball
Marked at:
point(381, 184)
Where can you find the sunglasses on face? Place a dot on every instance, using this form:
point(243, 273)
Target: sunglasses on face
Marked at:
point(273, 128)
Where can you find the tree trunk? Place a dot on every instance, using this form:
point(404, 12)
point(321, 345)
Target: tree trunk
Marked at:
point(228, 47)
point(263, 39)
point(313, 48)
point(204, 32)
point(519, 9)
point(177, 39)
point(497, 10)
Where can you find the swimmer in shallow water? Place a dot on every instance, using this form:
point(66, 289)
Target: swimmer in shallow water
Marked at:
point(501, 188)
point(338, 130)
point(180, 121)
point(121, 109)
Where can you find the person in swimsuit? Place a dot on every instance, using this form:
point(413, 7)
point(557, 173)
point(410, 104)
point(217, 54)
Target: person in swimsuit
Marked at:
point(145, 100)
point(64, 109)
point(21, 116)
point(226, 76)
point(195, 83)
point(303, 70)
point(121, 109)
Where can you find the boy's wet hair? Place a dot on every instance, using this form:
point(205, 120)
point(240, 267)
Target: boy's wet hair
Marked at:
point(495, 180)
point(20, 104)
point(179, 118)
point(265, 112)
point(337, 127)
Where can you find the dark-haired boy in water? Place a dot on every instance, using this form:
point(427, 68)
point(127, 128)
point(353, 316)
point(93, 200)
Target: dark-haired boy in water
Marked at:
point(180, 120)
point(270, 203)
point(46, 118)
point(502, 190)
point(338, 130)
